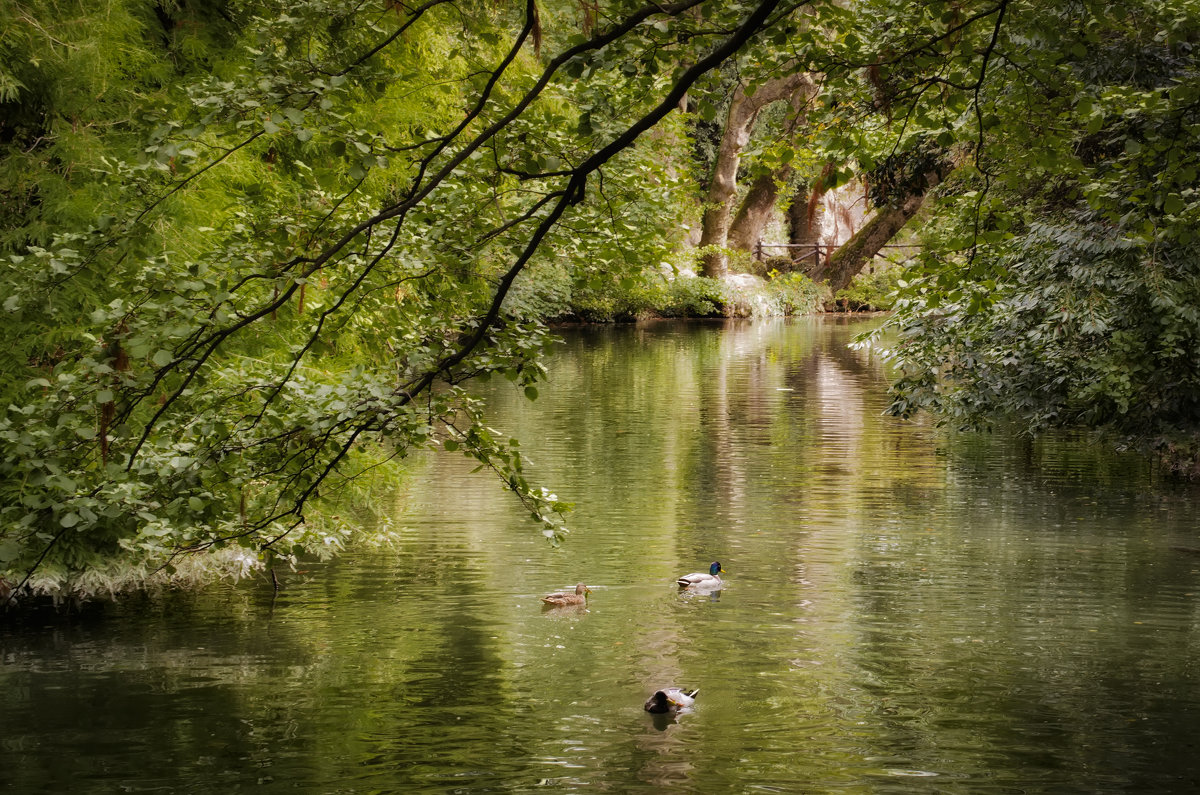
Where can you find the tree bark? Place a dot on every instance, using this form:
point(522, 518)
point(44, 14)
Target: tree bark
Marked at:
point(755, 210)
point(801, 229)
point(739, 123)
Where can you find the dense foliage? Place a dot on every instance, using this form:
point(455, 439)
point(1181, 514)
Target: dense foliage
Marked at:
point(248, 237)
point(1087, 329)
point(1060, 282)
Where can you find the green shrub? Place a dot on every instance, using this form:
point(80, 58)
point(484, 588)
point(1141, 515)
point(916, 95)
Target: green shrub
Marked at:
point(542, 292)
point(606, 306)
point(795, 294)
point(553, 291)
point(696, 296)
point(870, 291)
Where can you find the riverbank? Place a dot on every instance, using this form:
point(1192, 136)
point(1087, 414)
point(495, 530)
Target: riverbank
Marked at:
point(736, 295)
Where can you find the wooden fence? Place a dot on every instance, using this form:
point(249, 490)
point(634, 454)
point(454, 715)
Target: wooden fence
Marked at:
point(816, 251)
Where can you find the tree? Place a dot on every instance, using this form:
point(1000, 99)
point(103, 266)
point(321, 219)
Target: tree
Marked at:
point(898, 188)
point(1059, 286)
point(747, 102)
point(762, 195)
point(337, 215)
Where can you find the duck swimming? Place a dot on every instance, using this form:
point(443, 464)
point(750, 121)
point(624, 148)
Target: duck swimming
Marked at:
point(699, 579)
point(670, 700)
point(565, 598)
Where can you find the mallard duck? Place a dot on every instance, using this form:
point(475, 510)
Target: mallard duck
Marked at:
point(565, 598)
point(701, 580)
point(670, 700)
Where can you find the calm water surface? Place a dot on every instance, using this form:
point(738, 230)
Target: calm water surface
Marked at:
point(905, 611)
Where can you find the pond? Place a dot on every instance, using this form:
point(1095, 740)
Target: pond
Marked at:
point(905, 609)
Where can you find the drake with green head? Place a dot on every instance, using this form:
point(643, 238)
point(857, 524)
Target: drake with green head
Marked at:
point(711, 580)
point(670, 700)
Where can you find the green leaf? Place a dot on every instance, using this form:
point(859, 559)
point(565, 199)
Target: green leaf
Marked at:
point(531, 392)
point(9, 551)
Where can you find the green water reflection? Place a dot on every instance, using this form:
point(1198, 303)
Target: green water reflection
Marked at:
point(905, 610)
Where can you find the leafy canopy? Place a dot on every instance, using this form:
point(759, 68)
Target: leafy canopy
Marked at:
point(258, 246)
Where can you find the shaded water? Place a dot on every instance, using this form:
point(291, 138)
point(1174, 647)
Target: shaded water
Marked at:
point(904, 610)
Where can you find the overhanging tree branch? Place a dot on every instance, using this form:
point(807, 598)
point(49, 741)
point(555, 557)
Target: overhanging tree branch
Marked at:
point(573, 192)
point(201, 348)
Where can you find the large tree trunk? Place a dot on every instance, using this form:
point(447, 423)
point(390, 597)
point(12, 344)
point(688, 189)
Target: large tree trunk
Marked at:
point(755, 211)
point(801, 221)
point(802, 230)
point(739, 123)
point(855, 253)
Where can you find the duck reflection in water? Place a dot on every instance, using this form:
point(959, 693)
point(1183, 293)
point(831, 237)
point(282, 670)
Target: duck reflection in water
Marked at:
point(700, 593)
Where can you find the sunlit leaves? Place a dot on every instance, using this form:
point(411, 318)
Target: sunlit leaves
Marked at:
point(150, 427)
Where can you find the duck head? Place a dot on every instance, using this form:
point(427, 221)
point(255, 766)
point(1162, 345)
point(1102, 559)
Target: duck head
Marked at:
point(716, 569)
point(659, 703)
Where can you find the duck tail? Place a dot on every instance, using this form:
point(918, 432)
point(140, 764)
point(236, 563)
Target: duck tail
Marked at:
point(692, 694)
